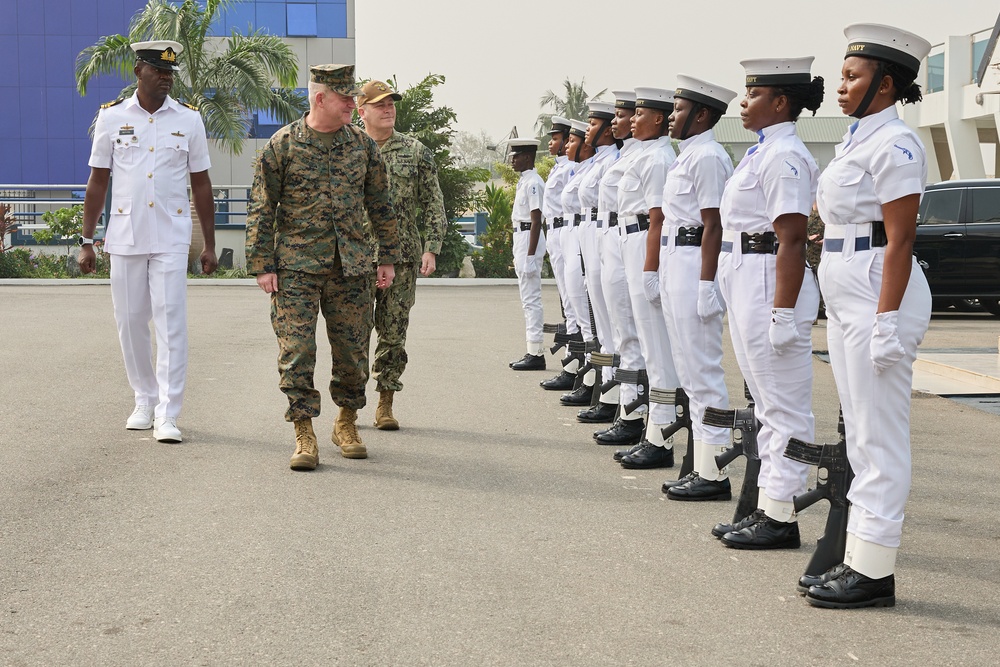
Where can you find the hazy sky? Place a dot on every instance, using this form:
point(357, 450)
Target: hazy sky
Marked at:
point(500, 57)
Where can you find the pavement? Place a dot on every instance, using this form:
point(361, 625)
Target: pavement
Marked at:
point(489, 530)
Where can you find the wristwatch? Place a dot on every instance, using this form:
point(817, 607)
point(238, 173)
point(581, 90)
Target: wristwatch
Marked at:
point(83, 240)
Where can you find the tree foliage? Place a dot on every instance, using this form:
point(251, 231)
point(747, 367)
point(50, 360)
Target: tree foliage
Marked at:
point(572, 105)
point(63, 223)
point(227, 78)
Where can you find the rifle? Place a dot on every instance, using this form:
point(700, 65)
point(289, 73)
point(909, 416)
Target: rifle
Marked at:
point(602, 360)
point(682, 409)
point(744, 424)
point(638, 378)
point(583, 348)
point(833, 480)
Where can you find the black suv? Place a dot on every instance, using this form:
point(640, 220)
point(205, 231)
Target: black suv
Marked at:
point(958, 243)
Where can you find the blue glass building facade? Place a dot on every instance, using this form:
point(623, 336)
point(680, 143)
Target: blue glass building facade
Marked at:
point(44, 121)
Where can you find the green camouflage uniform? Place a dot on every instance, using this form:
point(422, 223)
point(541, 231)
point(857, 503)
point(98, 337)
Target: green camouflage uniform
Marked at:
point(814, 240)
point(305, 222)
point(419, 206)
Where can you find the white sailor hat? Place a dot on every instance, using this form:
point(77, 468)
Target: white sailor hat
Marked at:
point(624, 99)
point(522, 146)
point(883, 42)
point(654, 98)
point(602, 110)
point(161, 53)
point(578, 127)
point(703, 92)
point(559, 124)
point(777, 71)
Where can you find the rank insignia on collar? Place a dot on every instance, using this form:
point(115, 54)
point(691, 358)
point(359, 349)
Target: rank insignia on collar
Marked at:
point(126, 129)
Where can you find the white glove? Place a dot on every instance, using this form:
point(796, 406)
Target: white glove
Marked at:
point(885, 347)
point(532, 267)
point(782, 331)
point(709, 305)
point(651, 286)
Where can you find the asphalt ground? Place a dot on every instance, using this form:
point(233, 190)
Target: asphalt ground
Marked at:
point(490, 530)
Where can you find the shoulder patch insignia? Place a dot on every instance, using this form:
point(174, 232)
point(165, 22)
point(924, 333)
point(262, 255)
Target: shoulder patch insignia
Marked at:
point(789, 169)
point(903, 152)
point(191, 107)
point(108, 105)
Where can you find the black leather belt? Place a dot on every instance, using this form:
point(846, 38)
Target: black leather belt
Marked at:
point(686, 236)
point(612, 219)
point(556, 223)
point(577, 219)
point(593, 213)
point(876, 240)
point(761, 243)
point(640, 226)
point(525, 226)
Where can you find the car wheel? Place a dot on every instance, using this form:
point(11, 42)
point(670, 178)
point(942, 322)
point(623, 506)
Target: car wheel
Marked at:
point(991, 305)
point(967, 305)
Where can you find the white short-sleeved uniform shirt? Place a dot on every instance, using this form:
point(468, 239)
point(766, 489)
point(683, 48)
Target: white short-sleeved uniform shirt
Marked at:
point(571, 193)
point(558, 175)
point(696, 180)
point(641, 186)
point(608, 197)
point(882, 161)
point(528, 196)
point(590, 187)
point(776, 177)
point(150, 157)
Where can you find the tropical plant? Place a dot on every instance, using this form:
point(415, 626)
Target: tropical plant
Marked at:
point(64, 223)
point(8, 225)
point(227, 79)
point(496, 259)
point(573, 105)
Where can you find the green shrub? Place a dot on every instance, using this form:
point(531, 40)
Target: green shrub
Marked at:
point(453, 252)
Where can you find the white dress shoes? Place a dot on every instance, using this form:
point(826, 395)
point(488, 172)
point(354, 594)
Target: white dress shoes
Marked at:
point(141, 418)
point(165, 429)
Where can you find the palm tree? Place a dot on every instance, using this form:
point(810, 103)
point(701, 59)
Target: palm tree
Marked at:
point(227, 79)
point(572, 106)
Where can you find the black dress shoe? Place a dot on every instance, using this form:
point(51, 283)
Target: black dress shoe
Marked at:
point(623, 433)
point(561, 382)
point(649, 456)
point(529, 362)
point(579, 396)
point(700, 488)
point(622, 453)
point(808, 580)
point(766, 533)
point(602, 413)
point(853, 590)
point(721, 529)
point(671, 483)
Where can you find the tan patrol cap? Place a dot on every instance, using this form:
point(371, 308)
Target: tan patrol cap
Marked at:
point(338, 78)
point(374, 91)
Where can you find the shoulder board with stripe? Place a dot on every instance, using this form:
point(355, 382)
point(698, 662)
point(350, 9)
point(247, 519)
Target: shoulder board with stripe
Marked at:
point(108, 105)
point(192, 108)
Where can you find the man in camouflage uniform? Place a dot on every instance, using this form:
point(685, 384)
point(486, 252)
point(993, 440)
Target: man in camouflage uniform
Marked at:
point(416, 197)
point(309, 246)
point(814, 250)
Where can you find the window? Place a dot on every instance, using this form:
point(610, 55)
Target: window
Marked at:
point(985, 204)
point(940, 207)
point(301, 20)
point(935, 73)
point(978, 51)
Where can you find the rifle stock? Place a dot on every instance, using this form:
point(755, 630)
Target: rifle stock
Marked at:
point(682, 420)
point(744, 424)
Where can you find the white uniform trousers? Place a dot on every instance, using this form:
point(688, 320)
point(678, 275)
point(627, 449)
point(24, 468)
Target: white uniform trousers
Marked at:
point(531, 290)
point(591, 239)
point(144, 288)
point(653, 338)
point(696, 345)
point(624, 337)
point(573, 283)
point(554, 247)
point(876, 407)
point(780, 384)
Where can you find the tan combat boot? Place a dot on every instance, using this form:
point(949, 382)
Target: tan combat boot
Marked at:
point(345, 434)
point(306, 456)
point(384, 421)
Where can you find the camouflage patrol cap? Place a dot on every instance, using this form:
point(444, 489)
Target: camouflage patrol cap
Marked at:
point(338, 78)
point(375, 91)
